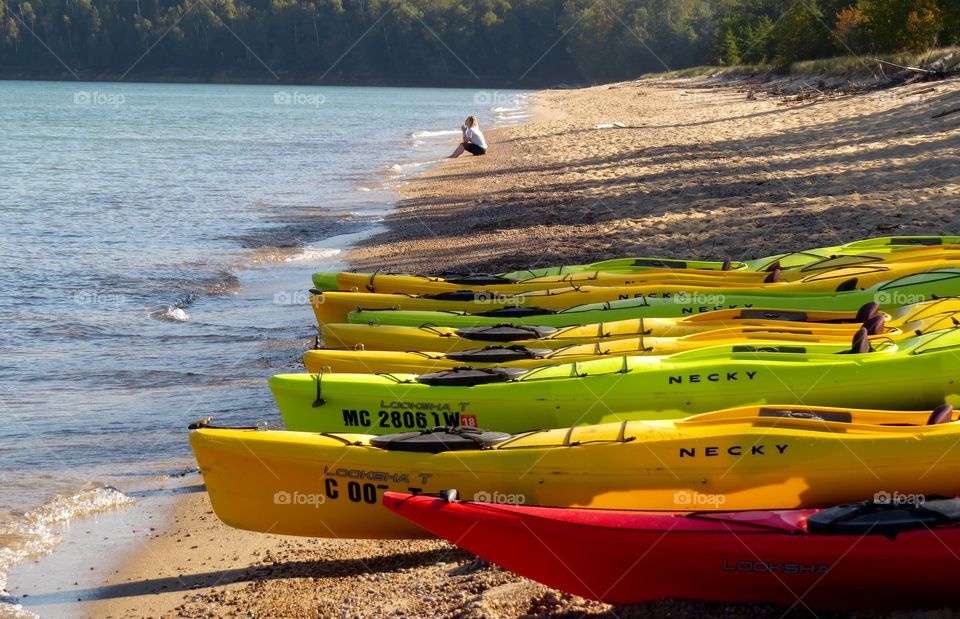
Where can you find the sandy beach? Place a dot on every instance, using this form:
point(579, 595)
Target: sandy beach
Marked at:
point(700, 169)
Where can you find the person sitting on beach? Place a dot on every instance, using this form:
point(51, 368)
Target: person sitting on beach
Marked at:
point(473, 140)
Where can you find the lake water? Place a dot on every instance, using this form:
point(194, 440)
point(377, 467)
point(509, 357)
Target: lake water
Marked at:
point(156, 243)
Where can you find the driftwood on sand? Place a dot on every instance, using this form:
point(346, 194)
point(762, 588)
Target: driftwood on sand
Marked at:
point(806, 90)
point(934, 70)
point(946, 113)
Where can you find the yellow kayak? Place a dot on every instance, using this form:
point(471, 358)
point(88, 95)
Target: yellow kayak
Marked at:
point(390, 283)
point(424, 362)
point(770, 457)
point(450, 339)
point(334, 306)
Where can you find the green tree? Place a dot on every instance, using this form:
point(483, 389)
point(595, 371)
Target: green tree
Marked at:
point(731, 49)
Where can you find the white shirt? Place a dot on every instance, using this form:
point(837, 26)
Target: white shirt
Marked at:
point(476, 136)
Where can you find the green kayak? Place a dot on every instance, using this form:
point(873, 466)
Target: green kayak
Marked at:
point(328, 281)
point(902, 291)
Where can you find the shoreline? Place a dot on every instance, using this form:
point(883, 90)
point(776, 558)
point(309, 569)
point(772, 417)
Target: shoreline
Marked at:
point(703, 172)
point(259, 80)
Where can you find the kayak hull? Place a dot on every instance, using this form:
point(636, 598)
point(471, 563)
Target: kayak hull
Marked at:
point(631, 557)
point(330, 485)
point(897, 293)
point(883, 247)
point(447, 339)
point(424, 362)
point(922, 372)
point(333, 306)
point(428, 337)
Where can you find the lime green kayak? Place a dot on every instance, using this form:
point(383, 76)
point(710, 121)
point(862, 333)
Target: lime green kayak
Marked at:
point(902, 291)
point(919, 372)
point(791, 260)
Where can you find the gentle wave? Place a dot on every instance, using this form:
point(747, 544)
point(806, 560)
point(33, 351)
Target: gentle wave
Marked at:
point(34, 534)
point(275, 255)
point(404, 169)
point(512, 116)
point(433, 134)
point(177, 311)
point(313, 253)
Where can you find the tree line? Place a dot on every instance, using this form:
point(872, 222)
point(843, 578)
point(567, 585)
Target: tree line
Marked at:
point(457, 42)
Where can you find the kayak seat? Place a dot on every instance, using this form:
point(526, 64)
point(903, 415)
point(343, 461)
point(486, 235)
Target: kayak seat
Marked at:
point(727, 265)
point(861, 342)
point(659, 263)
point(774, 267)
point(773, 277)
point(799, 413)
point(867, 311)
point(460, 295)
point(517, 312)
point(499, 354)
point(773, 315)
point(907, 240)
point(505, 333)
point(941, 414)
point(886, 515)
point(847, 286)
point(467, 376)
point(796, 350)
point(439, 440)
point(479, 279)
point(875, 325)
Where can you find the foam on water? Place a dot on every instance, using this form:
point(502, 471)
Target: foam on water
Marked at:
point(35, 533)
point(433, 133)
point(176, 312)
point(314, 253)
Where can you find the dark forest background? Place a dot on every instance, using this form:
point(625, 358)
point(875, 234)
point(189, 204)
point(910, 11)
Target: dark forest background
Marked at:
point(526, 42)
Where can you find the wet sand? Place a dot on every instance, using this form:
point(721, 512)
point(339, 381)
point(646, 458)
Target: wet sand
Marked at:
point(699, 170)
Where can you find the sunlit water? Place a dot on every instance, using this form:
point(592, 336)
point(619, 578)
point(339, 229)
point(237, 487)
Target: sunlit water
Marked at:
point(156, 242)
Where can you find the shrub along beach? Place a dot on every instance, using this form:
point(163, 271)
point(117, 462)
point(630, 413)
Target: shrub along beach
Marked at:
point(417, 43)
point(703, 168)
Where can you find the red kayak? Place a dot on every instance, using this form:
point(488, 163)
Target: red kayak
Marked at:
point(872, 555)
